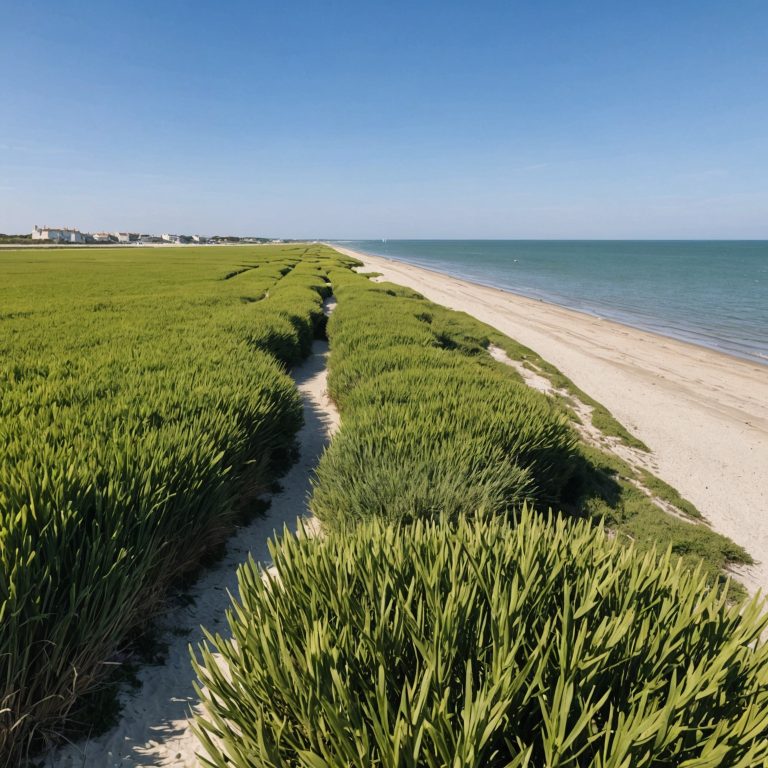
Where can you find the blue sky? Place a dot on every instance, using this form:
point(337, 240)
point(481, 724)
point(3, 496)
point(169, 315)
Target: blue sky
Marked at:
point(398, 119)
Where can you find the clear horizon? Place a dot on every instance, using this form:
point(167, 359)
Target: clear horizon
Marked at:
point(441, 121)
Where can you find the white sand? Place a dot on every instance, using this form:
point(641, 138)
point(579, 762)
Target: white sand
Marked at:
point(154, 725)
point(703, 414)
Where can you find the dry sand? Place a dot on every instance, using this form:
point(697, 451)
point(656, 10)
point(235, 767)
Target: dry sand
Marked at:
point(154, 724)
point(703, 414)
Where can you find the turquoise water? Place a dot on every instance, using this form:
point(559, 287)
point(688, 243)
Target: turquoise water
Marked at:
point(712, 293)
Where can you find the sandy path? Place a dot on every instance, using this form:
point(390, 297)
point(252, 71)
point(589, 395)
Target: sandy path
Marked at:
point(703, 414)
point(154, 726)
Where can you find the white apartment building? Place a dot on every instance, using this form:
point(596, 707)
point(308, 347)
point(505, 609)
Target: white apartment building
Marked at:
point(58, 235)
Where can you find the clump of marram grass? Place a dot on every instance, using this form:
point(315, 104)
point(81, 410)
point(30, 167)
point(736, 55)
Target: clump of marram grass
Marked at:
point(475, 643)
point(284, 325)
point(421, 440)
point(428, 429)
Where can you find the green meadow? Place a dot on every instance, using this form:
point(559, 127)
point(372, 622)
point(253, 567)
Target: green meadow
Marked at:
point(140, 390)
point(488, 588)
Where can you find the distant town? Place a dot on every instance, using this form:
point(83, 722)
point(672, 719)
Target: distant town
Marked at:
point(68, 235)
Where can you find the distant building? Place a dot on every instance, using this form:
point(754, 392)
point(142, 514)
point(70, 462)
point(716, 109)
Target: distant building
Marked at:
point(199, 239)
point(58, 235)
point(171, 238)
point(126, 237)
point(102, 237)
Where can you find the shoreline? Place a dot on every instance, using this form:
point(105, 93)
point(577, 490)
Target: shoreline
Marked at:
point(702, 412)
point(594, 314)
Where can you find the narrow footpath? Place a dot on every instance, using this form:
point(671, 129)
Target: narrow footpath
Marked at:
point(154, 727)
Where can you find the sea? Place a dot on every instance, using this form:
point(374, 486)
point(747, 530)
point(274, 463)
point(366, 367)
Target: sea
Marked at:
point(708, 292)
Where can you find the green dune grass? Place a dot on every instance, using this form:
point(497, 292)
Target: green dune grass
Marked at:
point(137, 390)
point(446, 617)
point(445, 611)
point(473, 642)
point(431, 423)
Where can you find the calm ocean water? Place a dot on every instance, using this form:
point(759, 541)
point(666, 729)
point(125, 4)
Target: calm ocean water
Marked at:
point(712, 293)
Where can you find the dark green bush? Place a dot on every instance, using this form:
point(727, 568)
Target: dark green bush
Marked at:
point(475, 643)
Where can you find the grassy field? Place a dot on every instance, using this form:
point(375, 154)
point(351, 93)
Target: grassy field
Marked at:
point(446, 615)
point(139, 392)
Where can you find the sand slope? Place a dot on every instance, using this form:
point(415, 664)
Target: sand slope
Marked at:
point(703, 414)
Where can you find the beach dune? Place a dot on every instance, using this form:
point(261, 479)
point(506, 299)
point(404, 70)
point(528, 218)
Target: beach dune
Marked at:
point(703, 414)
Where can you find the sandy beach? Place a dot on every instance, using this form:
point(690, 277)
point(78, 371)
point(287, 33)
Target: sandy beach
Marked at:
point(703, 414)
